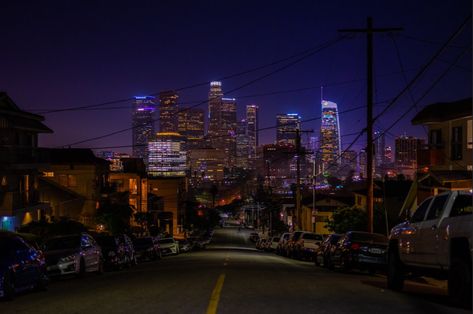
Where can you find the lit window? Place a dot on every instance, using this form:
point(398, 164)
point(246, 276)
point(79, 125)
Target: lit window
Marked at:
point(49, 174)
point(71, 180)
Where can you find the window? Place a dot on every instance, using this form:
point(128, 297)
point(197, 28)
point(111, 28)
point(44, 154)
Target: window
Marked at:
point(63, 179)
point(48, 174)
point(435, 138)
point(419, 214)
point(457, 145)
point(437, 207)
point(463, 205)
point(71, 180)
point(469, 134)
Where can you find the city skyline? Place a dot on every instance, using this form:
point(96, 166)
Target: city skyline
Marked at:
point(296, 89)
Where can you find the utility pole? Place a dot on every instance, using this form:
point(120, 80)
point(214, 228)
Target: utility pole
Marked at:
point(369, 30)
point(299, 154)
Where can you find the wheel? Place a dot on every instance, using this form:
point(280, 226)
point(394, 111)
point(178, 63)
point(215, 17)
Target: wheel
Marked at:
point(81, 268)
point(395, 271)
point(8, 287)
point(459, 282)
point(41, 283)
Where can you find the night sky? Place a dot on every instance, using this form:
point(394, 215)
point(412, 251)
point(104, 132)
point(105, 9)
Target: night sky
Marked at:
point(60, 54)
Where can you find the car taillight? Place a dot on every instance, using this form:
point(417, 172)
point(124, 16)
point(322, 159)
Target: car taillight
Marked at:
point(355, 246)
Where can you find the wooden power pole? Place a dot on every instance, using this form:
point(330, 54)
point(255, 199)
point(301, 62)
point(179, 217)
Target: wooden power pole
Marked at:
point(369, 30)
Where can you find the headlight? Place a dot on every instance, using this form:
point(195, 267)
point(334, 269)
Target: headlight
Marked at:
point(67, 259)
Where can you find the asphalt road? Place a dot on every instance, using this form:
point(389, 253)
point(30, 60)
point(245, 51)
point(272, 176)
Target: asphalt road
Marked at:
point(229, 277)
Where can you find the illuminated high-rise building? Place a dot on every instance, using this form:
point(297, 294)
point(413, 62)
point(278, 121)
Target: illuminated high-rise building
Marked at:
point(168, 111)
point(286, 126)
point(191, 125)
point(379, 147)
point(330, 147)
point(388, 154)
point(406, 150)
point(228, 129)
point(143, 125)
point(166, 155)
point(242, 145)
point(215, 110)
point(252, 121)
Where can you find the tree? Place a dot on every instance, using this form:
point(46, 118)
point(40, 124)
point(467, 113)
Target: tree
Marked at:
point(115, 213)
point(348, 219)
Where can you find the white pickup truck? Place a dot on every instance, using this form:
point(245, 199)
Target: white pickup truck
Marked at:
point(437, 242)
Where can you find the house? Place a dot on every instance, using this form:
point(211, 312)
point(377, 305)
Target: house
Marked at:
point(19, 197)
point(445, 163)
point(73, 180)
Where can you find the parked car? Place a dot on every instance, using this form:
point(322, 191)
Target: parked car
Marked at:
point(117, 251)
point(280, 249)
point(322, 254)
point(306, 245)
point(72, 255)
point(274, 243)
point(260, 243)
point(254, 237)
point(290, 244)
point(361, 250)
point(185, 245)
point(168, 246)
point(22, 267)
point(146, 249)
point(437, 241)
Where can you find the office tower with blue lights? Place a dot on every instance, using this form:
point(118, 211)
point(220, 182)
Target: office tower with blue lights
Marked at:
point(168, 111)
point(330, 147)
point(286, 126)
point(252, 121)
point(143, 125)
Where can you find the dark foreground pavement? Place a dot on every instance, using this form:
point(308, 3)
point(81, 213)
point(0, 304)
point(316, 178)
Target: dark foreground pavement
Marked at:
point(229, 277)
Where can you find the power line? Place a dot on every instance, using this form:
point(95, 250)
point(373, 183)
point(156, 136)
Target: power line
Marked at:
point(303, 53)
point(426, 66)
point(304, 57)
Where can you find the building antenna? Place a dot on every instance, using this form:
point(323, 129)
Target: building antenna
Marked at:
point(321, 93)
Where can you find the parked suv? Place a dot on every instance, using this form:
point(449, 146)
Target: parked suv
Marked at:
point(73, 254)
point(168, 246)
point(436, 241)
point(307, 244)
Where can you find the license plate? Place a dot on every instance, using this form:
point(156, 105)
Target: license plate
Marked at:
point(376, 251)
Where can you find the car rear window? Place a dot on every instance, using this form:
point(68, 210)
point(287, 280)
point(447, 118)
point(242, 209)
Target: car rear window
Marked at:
point(368, 237)
point(312, 236)
point(463, 205)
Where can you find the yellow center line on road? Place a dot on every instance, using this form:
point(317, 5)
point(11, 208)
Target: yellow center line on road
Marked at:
point(215, 297)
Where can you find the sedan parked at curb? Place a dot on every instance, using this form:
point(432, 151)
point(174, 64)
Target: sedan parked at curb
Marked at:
point(73, 255)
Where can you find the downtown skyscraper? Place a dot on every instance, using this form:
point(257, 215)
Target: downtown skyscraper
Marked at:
point(143, 125)
point(222, 122)
point(330, 146)
point(252, 121)
point(168, 111)
point(191, 125)
point(286, 126)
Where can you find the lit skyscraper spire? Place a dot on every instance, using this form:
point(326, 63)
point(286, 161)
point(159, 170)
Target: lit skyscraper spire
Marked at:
point(330, 147)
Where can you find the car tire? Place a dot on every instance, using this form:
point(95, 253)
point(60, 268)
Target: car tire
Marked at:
point(81, 272)
point(8, 287)
point(396, 275)
point(100, 267)
point(459, 282)
point(41, 284)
